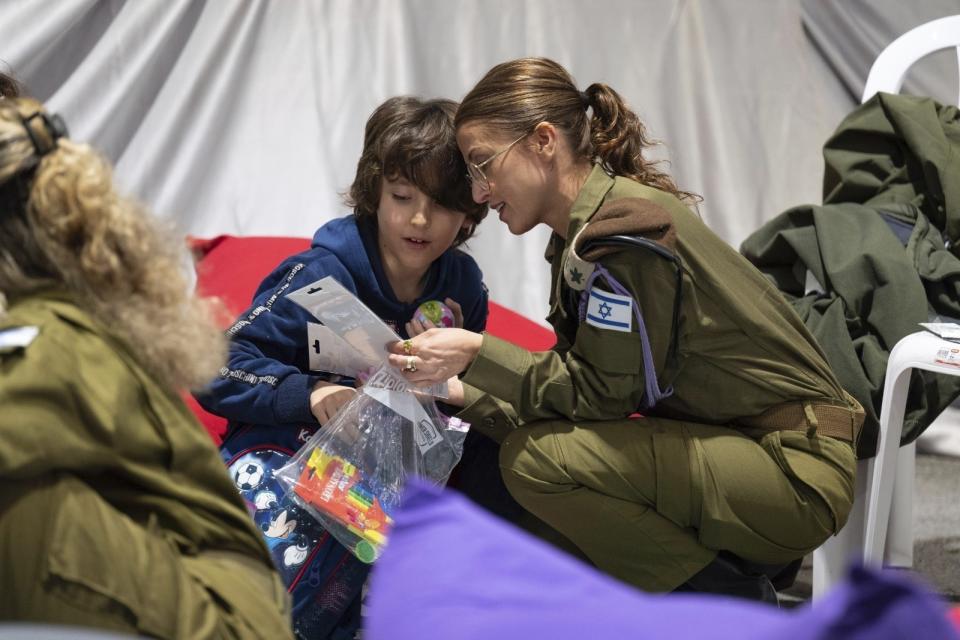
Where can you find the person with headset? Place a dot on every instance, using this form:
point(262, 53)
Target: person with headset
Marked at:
point(686, 432)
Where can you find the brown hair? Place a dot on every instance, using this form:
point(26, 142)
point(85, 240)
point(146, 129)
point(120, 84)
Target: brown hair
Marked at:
point(9, 86)
point(414, 139)
point(520, 94)
point(62, 224)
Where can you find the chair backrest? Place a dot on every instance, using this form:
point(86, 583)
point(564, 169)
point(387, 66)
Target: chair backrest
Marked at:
point(891, 65)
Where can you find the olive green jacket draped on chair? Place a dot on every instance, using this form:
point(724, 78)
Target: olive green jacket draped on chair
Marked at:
point(881, 252)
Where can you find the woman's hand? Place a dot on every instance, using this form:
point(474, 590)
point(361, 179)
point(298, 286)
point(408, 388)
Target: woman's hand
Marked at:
point(415, 327)
point(435, 355)
point(327, 398)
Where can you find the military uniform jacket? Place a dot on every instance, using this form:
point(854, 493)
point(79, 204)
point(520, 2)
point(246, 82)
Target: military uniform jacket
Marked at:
point(75, 401)
point(742, 349)
point(883, 250)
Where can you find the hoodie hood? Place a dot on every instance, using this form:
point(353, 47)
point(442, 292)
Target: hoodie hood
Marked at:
point(342, 238)
point(354, 244)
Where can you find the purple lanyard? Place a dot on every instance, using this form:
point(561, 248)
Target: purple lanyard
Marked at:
point(652, 393)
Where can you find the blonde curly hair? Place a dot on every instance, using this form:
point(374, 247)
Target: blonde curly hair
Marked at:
point(62, 224)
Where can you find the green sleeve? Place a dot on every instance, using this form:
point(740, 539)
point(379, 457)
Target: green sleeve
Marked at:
point(601, 376)
point(489, 415)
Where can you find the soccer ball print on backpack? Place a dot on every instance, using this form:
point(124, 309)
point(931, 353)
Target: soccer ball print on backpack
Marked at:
point(324, 579)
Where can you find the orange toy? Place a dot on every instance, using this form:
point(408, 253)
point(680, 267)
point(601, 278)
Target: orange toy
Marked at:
point(334, 486)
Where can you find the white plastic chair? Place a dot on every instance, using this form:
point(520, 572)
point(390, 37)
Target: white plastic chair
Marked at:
point(891, 65)
point(880, 527)
point(883, 500)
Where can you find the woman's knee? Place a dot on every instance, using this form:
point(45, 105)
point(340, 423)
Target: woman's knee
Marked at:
point(531, 455)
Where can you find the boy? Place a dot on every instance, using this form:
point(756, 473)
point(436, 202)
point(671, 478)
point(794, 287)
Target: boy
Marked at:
point(412, 208)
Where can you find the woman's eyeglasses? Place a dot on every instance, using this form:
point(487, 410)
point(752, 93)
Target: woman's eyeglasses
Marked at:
point(475, 171)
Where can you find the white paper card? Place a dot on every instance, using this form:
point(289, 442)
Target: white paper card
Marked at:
point(946, 330)
point(331, 354)
point(358, 327)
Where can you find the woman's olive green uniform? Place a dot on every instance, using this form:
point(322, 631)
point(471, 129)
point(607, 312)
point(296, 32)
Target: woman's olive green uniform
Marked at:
point(115, 509)
point(737, 458)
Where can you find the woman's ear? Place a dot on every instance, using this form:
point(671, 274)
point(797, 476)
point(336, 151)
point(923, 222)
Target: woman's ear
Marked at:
point(545, 137)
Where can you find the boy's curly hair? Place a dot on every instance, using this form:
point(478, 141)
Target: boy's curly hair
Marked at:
point(414, 139)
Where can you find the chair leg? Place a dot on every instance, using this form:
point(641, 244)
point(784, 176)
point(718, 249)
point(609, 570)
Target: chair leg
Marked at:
point(882, 469)
point(898, 551)
point(834, 556)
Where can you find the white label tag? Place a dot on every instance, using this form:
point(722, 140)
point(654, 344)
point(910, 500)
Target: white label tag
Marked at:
point(610, 311)
point(425, 433)
point(456, 424)
point(18, 337)
point(949, 356)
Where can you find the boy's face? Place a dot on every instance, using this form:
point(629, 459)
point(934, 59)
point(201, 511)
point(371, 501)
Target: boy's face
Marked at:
point(413, 229)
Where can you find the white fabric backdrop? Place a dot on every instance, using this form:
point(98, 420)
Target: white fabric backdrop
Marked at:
point(246, 116)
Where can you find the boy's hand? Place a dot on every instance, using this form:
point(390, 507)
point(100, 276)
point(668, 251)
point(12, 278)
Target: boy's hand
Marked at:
point(457, 312)
point(415, 327)
point(327, 398)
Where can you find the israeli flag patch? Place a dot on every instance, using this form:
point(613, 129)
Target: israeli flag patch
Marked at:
point(610, 311)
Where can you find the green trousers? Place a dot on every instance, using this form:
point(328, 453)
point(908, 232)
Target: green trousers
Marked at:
point(70, 558)
point(651, 501)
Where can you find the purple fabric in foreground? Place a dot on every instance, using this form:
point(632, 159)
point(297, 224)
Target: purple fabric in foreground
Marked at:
point(452, 571)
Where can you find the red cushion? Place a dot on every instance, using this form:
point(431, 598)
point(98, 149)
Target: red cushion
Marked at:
point(231, 267)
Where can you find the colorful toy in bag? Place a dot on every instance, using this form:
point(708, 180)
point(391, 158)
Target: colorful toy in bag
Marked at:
point(336, 487)
point(350, 474)
point(436, 312)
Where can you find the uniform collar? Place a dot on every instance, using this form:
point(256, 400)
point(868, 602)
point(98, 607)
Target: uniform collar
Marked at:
point(62, 302)
point(591, 196)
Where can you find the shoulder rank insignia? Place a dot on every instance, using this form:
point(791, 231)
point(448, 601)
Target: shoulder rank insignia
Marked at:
point(576, 270)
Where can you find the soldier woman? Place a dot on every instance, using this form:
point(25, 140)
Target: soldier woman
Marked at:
point(743, 459)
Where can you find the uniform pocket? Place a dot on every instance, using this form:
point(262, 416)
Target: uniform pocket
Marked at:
point(102, 562)
point(822, 467)
point(609, 350)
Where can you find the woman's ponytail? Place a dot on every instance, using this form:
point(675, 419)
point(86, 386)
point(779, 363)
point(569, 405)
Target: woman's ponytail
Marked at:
point(618, 139)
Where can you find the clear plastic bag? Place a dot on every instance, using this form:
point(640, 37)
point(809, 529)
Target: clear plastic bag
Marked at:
point(351, 473)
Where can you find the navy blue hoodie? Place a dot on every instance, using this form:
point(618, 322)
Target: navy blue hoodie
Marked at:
point(267, 380)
